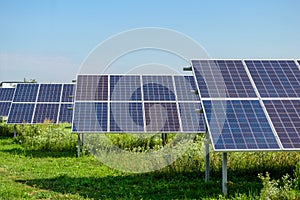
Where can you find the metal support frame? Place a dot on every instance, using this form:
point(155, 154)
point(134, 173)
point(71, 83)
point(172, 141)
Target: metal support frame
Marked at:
point(15, 130)
point(78, 143)
point(207, 159)
point(164, 137)
point(224, 173)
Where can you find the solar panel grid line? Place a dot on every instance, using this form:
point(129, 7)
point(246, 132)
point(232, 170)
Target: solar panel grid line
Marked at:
point(108, 102)
point(143, 100)
point(35, 103)
point(177, 104)
point(59, 105)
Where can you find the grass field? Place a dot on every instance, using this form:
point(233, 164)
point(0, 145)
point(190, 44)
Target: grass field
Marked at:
point(35, 172)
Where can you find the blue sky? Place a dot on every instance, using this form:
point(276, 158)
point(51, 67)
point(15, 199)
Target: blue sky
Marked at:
point(48, 40)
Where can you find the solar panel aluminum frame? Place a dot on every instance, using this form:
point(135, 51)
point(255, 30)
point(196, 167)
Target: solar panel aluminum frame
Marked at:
point(229, 98)
point(143, 101)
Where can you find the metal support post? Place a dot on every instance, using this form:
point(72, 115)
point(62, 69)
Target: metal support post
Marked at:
point(224, 173)
point(15, 131)
point(78, 142)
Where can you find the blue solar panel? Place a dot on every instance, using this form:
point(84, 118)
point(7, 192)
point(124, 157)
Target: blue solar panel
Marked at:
point(285, 117)
point(126, 117)
point(222, 78)
point(92, 88)
point(26, 93)
point(275, 78)
point(158, 88)
point(4, 108)
point(90, 117)
point(20, 113)
point(49, 93)
point(161, 117)
point(6, 94)
point(65, 114)
point(184, 86)
point(239, 125)
point(46, 112)
point(125, 88)
point(68, 93)
point(192, 121)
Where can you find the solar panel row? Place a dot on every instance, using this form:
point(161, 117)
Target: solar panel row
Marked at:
point(136, 104)
point(242, 121)
point(37, 103)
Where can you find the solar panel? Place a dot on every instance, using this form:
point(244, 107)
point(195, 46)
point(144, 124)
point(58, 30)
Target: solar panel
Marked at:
point(65, 114)
point(90, 117)
point(184, 86)
point(285, 117)
point(126, 117)
point(68, 93)
point(275, 78)
point(46, 112)
point(125, 88)
point(161, 117)
point(222, 78)
point(158, 88)
point(137, 104)
point(92, 88)
point(49, 93)
point(49, 101)
point(244, 126)
point(6, 94)
point(192, 121)
point(20, 113)
point(298, 62)
point(4, 108)
point(26, 92)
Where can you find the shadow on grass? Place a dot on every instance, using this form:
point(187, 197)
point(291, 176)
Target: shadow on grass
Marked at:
point(133, 186)
point(40, 153)
point(144, 186)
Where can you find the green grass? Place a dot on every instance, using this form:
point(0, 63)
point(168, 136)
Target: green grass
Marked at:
point(47, 168)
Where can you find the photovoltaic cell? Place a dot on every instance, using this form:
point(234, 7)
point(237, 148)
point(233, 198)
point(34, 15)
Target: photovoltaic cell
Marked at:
point(6, 94)
point(90, 117)
point(244, 125)
point(92, 88)
point(49, 93)
point(65, 114)
point(20, 113)
point(275, 78)
point(158, 88)
point(46, 112)
point(4, 108)
point(126, 117)
point(125, 88)
point(192, 121)
point(285, 117)
point(68, 92)
point(222, 78)
point(161, 117)
point(184, 86)
point(26, 92)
